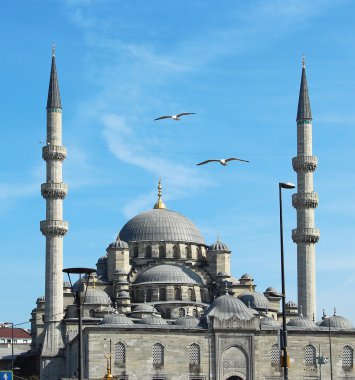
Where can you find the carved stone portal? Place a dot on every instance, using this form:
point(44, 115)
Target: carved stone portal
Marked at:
point(234, 364)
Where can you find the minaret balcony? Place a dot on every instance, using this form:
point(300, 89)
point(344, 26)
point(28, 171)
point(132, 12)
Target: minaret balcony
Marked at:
point(54, 227)
point(305, 200)
point(304, 163)
point(54, 190)
point(54, 152)
point(305, 235)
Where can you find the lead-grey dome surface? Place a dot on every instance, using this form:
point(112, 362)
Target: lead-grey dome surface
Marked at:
point(169, 274)
point(255, 300)
point(226, 307)
point(301, 321)
point(269, 321)
point(96, 297)
point(337, 321)
point(154, 320)
point(187, 321)
point(218, 246)
point(116, 319)
point(161, 225)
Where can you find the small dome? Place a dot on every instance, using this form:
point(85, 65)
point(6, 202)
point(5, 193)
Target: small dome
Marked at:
point(269, 321)
point(145, 308)
point(116, 319)
point(102, 259)
point(246, 276)
point(123, 294)
point(337, 321)
point(154, 320)
point(218, 246)
point(96, 297)
point(226, 307)
point(118, 244)
point(271, 289)
point(291, 304)
point(187, 321)
point(169, 274)
point(302, 322)
point(161, 225)
point(255, 300)
point(225, 274)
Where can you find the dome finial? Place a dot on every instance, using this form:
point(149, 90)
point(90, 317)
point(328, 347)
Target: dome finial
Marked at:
point(160, 203)
point(226, 288)
point(303, 62)
point(53, 49)
point(300, 311)
point(335, 311)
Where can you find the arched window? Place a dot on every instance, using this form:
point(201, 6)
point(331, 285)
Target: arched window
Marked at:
point(177, 293)
point(135, 251)
point(162, 294)
point(275, 354)
point(188, 252)
point(195, 313)
point(158, 354)
point(149, 295)
point(161, 252)
point(202, 295)
point(347, 356)
point(182, 312)
point(148, 251)
point(194, 354)
point(120, 354)
point(176, 254)
point(191, 295)
point(310, 355)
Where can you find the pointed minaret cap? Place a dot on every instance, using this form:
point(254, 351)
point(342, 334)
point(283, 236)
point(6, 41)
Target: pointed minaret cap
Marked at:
point(304, 106)
point(53, 100)
point(160, 203)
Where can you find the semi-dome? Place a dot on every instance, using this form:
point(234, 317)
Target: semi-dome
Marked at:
point(161, 225)
point(255, 300)
point(218, 246)
point(169, 274)
point(154, 320)
point(302, 322)
point(144, 308)
point(116, 319)
point(226, 307)
point(187, 321)
point(337, 322)
point(96, 297)
point(269, 321)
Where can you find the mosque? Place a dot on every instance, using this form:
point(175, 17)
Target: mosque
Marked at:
point(164, 305)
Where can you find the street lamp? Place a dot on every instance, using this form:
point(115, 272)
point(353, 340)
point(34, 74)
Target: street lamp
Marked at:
point(283, 185)
point(79, 301)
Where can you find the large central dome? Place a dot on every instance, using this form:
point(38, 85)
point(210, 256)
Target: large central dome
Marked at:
point(161, 224)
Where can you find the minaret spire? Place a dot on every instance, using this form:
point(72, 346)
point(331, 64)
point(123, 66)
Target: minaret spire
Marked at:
point(54, 229)
point(159, 203)
point(305, 201)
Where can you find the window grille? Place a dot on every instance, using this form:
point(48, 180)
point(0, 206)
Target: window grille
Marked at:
point(161, 252)
point(194, 313)
point(275, 354)
point(158, 354)
point(194, 354)
point(148, 252)
point(177, 293)
point(310, 355)
point(175, 252)
point(182, 312)
point(135, 251)
point(188, 252)
point(149, 295)
point(120, 353)
point(347, 356)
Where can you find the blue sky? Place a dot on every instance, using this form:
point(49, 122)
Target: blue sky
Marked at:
point(123, 63)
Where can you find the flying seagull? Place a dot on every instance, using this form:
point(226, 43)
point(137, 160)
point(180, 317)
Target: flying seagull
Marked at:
point(175, 117)
point(223, 161)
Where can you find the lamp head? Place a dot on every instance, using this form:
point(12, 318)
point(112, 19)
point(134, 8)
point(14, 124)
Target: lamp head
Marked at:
point(287, 185)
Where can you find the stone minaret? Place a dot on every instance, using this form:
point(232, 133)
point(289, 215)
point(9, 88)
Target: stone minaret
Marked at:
point(305, 201)
point(54, 229)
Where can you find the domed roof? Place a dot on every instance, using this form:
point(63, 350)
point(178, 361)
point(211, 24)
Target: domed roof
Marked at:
point(337, 321)
point(96, 297)
point(187, 321)
point(218, 246)
point(224, 274)
point(144, 308)
point(301, 321)
point(116, 319)
point(271, 289)
point(102, 259)
point(291, 304)
point(161, 225)
point(269, 321)
point(172, 274)
point(118, 243)
point(123, 294)
point(255, 300)
point(154, 320)
point(226, 307)
point(247, 276)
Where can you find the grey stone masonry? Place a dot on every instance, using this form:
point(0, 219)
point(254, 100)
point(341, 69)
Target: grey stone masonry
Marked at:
point(305, 201)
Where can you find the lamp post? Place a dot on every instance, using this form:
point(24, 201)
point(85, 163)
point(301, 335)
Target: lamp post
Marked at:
point(283, 185)
point(79, 301)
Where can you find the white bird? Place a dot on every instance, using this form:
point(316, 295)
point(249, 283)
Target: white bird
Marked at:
point(223, 161)
point(175, 117)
